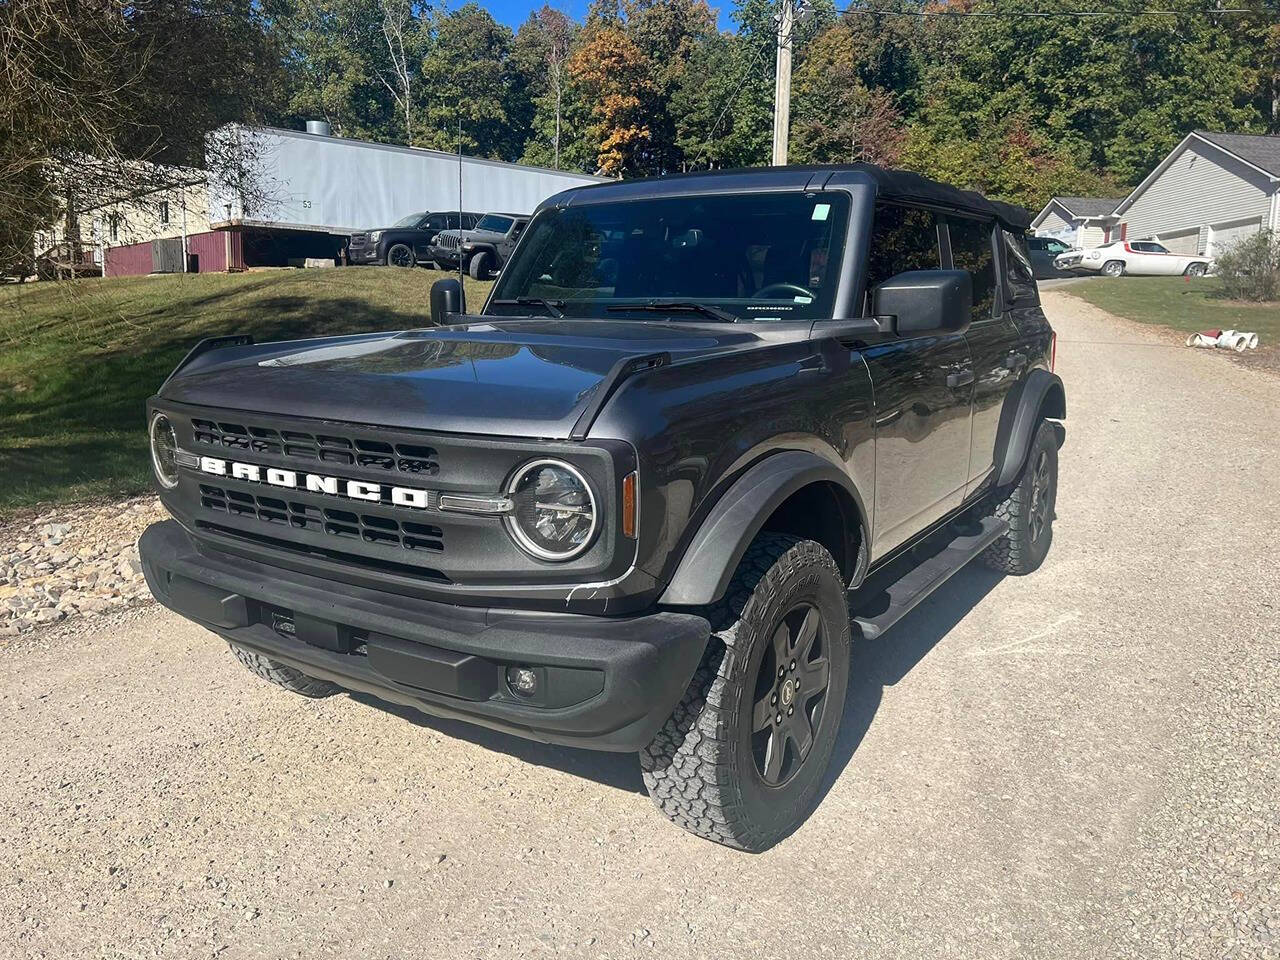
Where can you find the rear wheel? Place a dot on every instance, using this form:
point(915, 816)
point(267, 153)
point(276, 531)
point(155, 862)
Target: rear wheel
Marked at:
point(742, 759)
point(400, 255)
point(1113, 268)
point(1196, 270)
point(295, 681)
point(479, 266)
point(1028, 509)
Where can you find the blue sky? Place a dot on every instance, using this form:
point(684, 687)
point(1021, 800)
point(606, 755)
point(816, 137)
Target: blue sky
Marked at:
point(515, 12)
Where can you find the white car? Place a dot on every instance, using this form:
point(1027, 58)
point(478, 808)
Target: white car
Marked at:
point(1144, 258)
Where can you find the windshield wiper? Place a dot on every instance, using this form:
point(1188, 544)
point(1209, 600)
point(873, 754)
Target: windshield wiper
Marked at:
point(551, 306)
point(677, 306)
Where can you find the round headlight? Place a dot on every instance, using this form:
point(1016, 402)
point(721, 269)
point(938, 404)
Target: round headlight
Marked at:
point(554, 511)
point(164, 451)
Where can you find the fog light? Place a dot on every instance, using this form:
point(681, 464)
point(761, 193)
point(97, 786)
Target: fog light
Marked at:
point(522, 680)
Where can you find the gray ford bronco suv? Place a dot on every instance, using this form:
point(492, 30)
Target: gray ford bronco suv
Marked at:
point(707, 432)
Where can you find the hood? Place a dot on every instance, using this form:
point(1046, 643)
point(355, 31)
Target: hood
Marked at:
point(507, 377)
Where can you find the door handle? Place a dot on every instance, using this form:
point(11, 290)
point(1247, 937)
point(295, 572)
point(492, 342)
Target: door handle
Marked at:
point(961, 379)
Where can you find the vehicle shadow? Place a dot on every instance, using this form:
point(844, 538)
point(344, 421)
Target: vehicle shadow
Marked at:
point(875, 664)
point(883, 662)
point(618, 770)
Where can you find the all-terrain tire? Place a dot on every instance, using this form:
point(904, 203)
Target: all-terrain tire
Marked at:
point(701, 769)
point(1028, 509)
point(295, 681)
point(479, 266)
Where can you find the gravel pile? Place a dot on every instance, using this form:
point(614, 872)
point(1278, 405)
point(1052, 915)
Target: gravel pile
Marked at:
point(66, 562)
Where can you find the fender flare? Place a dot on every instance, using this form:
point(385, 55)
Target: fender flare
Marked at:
point(716, 549)
point(1040, 395)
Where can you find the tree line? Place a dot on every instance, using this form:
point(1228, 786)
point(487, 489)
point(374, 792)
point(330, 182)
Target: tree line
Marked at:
point(989, 94)
point(1018, 106)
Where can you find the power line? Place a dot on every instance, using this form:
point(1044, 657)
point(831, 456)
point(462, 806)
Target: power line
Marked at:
point(751, 65)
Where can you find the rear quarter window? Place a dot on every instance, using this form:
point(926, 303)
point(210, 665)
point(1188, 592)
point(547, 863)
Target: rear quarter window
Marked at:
point(972, 249)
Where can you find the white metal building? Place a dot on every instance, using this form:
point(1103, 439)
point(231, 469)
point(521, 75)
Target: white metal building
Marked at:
point(1212, 190)
point(1083, 222)
point(310, 190)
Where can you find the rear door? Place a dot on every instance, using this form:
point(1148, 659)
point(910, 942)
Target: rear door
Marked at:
point(922, 387)
point(991, 337)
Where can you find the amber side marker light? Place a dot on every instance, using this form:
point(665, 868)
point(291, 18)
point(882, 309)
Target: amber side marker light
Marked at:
point(629, 506)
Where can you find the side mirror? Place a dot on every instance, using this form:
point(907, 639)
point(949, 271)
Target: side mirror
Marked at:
point(925, 301)
point(447, 297)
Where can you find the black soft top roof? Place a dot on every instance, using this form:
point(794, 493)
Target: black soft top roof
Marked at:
point(900, 185)
point(911, 187)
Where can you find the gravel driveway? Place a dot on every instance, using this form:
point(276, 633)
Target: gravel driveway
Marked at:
point(1082, 763)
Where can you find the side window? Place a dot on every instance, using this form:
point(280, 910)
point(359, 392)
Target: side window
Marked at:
point(437, 221)
point(972, 250)
point(1020, 277)
point(902, 238)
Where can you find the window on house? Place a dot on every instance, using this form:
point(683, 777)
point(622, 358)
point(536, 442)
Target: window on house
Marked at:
point(113, 226)
point(972, 250)
point(164, 211)
point(902, 239)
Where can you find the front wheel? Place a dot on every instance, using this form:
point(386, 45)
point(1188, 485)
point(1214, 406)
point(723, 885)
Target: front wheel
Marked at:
point(742, 758)
point(1113, 268)
point(479, 266)
point(1028, 509)
point(273, 671)
point(400, 255)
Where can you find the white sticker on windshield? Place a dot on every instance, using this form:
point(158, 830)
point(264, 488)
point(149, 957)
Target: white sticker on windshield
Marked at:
point(820, 211)
point(803, 299)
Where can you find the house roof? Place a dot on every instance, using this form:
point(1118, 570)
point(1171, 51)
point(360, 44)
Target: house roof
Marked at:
point(1089, 206)
point(1083, 208)
point(1258, 150)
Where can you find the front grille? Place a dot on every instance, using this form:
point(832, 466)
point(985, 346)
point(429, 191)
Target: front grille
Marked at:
point(410, 458)
point(349, 524)
point(447, 241)
point(359, 239)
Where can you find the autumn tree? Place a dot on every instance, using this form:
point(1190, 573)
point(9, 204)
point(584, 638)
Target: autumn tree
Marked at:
point(616, 79)
point(836, 118)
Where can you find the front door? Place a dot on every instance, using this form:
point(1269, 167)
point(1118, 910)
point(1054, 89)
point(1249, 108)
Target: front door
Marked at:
point(922, 387)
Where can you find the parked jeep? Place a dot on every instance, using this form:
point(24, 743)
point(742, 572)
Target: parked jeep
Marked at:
point(406, 242)
point(483, 249)
point(706, 433)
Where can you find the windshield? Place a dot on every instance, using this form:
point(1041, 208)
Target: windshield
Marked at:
point(755, 256)
point(495, 223)
point(410, 221)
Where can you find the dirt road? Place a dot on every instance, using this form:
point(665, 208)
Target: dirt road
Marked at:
point(1082, 763)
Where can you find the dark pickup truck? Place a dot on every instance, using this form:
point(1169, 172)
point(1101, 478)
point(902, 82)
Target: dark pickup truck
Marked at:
point(707, 432)
point(407, 242)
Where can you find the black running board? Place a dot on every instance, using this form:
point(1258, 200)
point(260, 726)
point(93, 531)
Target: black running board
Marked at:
point(899, 597)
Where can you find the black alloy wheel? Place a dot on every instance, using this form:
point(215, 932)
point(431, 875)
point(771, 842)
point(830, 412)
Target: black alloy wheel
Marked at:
point(1041, 508)
point(400, 255)
point(790, 694)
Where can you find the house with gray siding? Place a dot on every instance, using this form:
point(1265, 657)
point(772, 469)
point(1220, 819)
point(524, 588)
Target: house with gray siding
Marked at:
point(1212, 190)
point(1083, 222)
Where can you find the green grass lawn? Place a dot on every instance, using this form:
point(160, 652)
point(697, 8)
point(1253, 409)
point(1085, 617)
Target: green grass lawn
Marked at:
point(79, 359)
point(1186, 305)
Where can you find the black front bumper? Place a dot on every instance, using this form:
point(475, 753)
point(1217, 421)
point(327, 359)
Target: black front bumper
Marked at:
point(606, 683)
point(363, 255)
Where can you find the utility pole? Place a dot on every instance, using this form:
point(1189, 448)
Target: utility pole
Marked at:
point(786, 21)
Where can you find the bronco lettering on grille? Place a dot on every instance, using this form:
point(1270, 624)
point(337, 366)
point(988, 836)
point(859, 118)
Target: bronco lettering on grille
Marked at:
point(315, 483)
